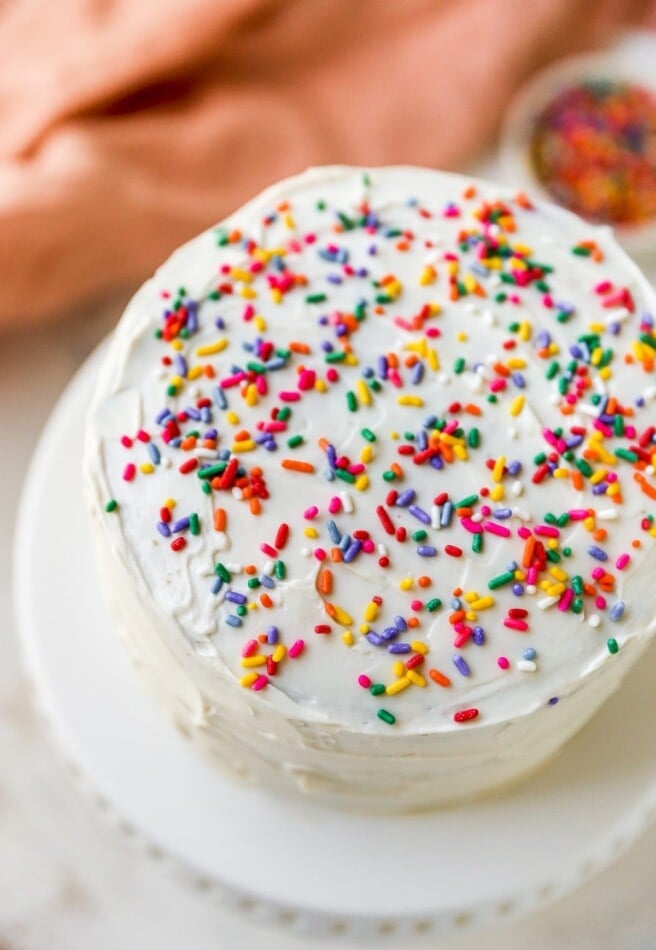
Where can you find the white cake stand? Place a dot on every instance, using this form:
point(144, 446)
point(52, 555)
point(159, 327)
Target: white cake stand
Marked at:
point(310, 868)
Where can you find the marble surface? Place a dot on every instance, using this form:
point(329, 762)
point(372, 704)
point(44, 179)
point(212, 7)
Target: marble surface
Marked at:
point(69, 881)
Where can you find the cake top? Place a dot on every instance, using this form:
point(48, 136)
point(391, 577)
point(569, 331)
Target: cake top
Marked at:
point(380, 448)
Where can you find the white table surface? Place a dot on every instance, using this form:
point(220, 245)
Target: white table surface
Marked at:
point(69, 881)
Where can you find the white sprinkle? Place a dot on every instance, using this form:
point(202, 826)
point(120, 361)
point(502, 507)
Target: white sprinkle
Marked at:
point(477, 517)
point(587, 410)
point(649, 392)
point(530, 589)
point(235, 568)
point(305, 552)
point(517, 488)
point(527, 666)
point(222, 541)
point(547, 602)
point(382, 550)
point(594, 620)
point(237, 493)
point(444, 378)
point(522, 514)
point(347, 502)
point(489, 318)
point(435, 517)
point(205, 571)
point(513, 432)
point(268, 567)
point(607, 514)
point(554, 399)
point(165, 462)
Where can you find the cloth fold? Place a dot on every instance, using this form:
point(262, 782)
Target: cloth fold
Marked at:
point(127, 127)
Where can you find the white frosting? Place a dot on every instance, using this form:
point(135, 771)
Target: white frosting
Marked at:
point(312, 722)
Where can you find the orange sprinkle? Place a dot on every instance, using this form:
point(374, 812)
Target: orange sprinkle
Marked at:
point(242, 435)
point(600, 534)
point(577, 480)
point(250, 569)
point(529, 548)
point(254, 505)
point(336, 555)
point(424, 581)
point(294, 465)
point(472, 409)
point(645, 486)
point(396, 468)
point(220, 519)
point(326, 581)
point(439, 678)
point(413, 622)
point(265, 600)
point(188, 443)
point(297, 347)
point(209, 371)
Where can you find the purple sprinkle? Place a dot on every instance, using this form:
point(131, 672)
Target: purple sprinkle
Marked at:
point(597, 553)
point(478, 636)
point(398, 648)
point(406, 497)
point(180, 364)
point(235, 597)
point(180, 525)
point(163, 529)
point(272, 635)
point(461, 665)
point(426, 550)
point(400, 624)
point(553, 701)
point(419, 514)
point(267, 581)
point(352, 551)
point(374, 639)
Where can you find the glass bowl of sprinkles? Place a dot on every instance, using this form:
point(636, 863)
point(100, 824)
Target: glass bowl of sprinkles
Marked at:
point(582, 134)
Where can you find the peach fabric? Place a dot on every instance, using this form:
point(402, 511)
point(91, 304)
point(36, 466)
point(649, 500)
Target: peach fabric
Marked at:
point(126, 127)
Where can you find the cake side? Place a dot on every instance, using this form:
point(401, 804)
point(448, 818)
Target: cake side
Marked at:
point(381, 347)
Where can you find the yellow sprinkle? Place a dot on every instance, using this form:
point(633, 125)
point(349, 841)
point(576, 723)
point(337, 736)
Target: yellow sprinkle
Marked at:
point(246, 445)
point(195, 372)
point(279, 653)
point(289, 222)
point(416, 678)
point(339, 615)
point(232, 418)
point(470, 615)
point(525, 331)
point(367, 454)
point(398, 686)
point(276, 295)
point(211, 348)
point(248, 293)
point(497, 471)
point(470, 596)
point(371, 611)
point(252, 395)
point(516, 405)
point(321, 386)
point(497, 493)
point(238, 273)
point(408, 400)
point(433, 359)
point(552, 543)
point(482, 603)
point(561, 473)
point(470, 283)
point(363, 391)
point(559, 573)
point(605, 373)
point(589, 523)
point(248, 680)
point(146, 468)
point(259, 323)
point(258, 660)
point(170, 503)
point(347, 638)
point(596, 355)
point(176, 381)
point(394, 435)
point(361, 482)
point(452, 267)
point(520, 575)
point(417, 346)
point(351, 360)
point(310, 532)
point(398, 668)
point(555, 590)
point(553, 349)
point(461, 337)
point(177, 345)
point(460, 451)
point(364, 628)
point(427, 276)
point(419, 647)
point(613, 490)
point(406, 583)
point(516, 362)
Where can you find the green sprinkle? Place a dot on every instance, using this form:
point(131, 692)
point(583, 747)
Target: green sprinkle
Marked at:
point(256, 367)
point(320, 205)
point(284, 414)
point(577, 584)
point(280, 570)
point(626, 455)
point(466, 502)
point(194, 523)
point(577, 605)
point(222, 571)
point(584, 468)
point(474, 438)
point(368, 435)
point(434, 604)
point(347, 223)
point(294, 441)
point(650, 341)
point(171, 390)
point(477, 543)
point(613, 645)
point(581, 251)
point(552, 370)
point(459, 365)
point(209, 471)
point(389, 476)
point(539, 458)
point(253, 583)
point(562, 520)
point(501, 579)
point(567, 552)
point(345, 476)
point(316, 298)
point(336, 356)
point(500, 297)
point(553, 556)
point(241, 610)
point(377, 689)
point(383, 298)
point(492, 399)
point(206, 488)
point(376, 385)
point(420, 535)
point(112, 505)
point(550, 518)
point(386, 717)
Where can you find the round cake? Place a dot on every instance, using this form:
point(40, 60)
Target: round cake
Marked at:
point(371, 471)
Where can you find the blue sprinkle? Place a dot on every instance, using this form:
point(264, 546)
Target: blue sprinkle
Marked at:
point(217, 584)
point(447, 514)
point(617, 610)
point(219, 397)
point(530, 653)
point(233, 620)
point(334, 532)
point(461, 665)
point(456, 603)
point(417, 373)
point(597, 553)
point(267, 581)
point(154, 453)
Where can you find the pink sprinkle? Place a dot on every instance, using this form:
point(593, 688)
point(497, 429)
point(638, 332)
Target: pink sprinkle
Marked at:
point(622, 561)
point(228, 381)
point(600, 603)
point(320, 554)
point(394, 378)
point(286, 396)
point(598, 573)
point(416, 605)
point(332, 375)
point(524, 532)
point(486, 510)
point(306, 379)
point(578, 514)
point(497, 385)
point(126, 441)
point(471, 526)
point(296, 648)
point(531, 576)
point(462, 636)
point(249, 648)
point(143, 436)
point(503, 662)
point(547, 531)
point(261, 385)
point(260, 683)
point(499, 530)
point(129, 472)
point(547, 300)
point(275, 427)
point(566, 599)
point(364, 681)
point(513, 624)
point(310, 512)
point(630, 432)
point(368, 546)
point(603, 287)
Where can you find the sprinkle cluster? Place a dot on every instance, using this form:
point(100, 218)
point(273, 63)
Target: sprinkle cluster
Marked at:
point(307, 333)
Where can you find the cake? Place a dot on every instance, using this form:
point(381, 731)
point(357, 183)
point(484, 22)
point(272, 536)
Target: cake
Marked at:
point(371, 474)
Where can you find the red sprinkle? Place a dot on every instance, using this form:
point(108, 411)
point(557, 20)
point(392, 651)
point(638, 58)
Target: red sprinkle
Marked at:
point(464, 715)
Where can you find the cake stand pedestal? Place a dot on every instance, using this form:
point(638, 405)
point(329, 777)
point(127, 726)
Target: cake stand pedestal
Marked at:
point(309, 868)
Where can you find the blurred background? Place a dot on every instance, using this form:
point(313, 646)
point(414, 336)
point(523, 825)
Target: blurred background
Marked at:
point(126, 128)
